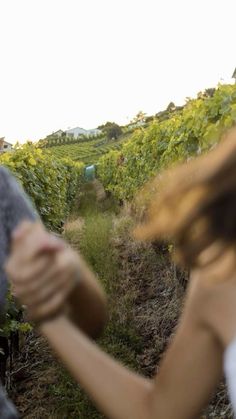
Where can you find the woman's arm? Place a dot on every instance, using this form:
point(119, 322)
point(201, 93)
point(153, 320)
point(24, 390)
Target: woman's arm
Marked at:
point(115, 390)
point(188, 374)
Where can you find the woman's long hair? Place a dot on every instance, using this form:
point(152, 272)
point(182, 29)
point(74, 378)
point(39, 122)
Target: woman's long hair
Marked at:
point(194, 205)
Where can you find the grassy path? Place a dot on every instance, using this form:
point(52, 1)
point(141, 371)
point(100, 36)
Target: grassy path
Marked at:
point(42, 388)
point(144, 305)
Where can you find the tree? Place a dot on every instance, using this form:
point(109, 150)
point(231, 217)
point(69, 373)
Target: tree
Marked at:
point(111, 129)
point(139, 118)
point(171, 107)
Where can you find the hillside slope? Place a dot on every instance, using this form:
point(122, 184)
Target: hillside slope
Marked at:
point(88, 151)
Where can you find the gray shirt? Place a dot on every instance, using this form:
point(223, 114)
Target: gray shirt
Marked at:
point(15, 206)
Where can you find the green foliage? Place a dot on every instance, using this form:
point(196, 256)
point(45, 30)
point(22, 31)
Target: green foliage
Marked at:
point(51, 183)
point(87, 152)
point(11, 320)
point(112, 130)
point(63, 139)
point(97, 245)
point(139, 118)
point(184, 134)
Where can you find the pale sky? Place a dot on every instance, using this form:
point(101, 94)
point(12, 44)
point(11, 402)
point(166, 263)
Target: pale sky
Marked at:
point(68, 63)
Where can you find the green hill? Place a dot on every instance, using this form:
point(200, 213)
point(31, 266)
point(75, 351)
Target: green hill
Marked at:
point(89, 151)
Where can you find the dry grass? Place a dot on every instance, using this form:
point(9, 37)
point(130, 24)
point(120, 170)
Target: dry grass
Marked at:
point(145, 302)
point(33, 375)
point(99, 190)
point(157, 299)
point(75, 225)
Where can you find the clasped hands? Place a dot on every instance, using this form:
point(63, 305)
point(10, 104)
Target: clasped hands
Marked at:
point(43, 271)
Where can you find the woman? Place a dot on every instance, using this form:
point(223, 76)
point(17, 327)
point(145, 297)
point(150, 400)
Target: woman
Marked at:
point(196, 208)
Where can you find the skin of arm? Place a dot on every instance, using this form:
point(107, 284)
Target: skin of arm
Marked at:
point(188, 374)
point(87, 305)
point(48, 277)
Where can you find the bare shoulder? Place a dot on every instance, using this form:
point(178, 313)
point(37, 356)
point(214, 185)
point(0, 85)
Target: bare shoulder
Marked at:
point(212, 294)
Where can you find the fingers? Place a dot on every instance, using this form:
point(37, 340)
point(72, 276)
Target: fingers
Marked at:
point(42, 269)
point(30, 277)
point(22, 273)
point(36, 282)
point(49, 309)
point(29, 239)
point(45, 286)
point(23, 228)
point(45, 269)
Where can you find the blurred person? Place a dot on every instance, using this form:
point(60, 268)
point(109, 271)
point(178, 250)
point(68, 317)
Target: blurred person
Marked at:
point(195, 207)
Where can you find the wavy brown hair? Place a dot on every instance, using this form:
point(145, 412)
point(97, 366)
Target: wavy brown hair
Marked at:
point(194, 205)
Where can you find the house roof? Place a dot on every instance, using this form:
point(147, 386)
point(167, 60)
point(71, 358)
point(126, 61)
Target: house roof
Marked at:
point(234, 74)
point(58, 132)
point(94, 131)
point(79, 131)
point(2, 140)
point(76, 131)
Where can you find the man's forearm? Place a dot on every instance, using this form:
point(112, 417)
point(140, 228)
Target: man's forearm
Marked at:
point(87, 305)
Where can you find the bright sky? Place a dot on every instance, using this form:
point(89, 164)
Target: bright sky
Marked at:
point(68, 63)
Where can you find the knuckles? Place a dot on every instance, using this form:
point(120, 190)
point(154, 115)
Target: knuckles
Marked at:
point(66, 262)
point(30, 287)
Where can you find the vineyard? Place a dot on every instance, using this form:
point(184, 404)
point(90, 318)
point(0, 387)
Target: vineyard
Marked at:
point(50, 182)
point(52, 185)
point(53, 177)
point(183, 135)
point(88, 151)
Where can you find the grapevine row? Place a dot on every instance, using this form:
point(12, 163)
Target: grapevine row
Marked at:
point(50, 182)
point(184, 134)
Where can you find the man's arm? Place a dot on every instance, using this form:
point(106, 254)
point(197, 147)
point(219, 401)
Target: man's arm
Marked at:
point(189, 372)
point(86, 304)
point(50, 277)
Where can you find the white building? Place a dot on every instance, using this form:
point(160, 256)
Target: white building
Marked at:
point(56, 134)
point(76, 132)
point(4, 145)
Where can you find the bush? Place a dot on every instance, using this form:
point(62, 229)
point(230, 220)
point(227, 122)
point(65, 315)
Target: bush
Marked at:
point(184, 134)
point(51, 183)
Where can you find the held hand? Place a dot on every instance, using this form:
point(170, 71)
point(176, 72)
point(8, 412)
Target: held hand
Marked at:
point(42, 269)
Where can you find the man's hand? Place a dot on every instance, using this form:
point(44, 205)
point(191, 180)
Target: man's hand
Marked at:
point(42, 269)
